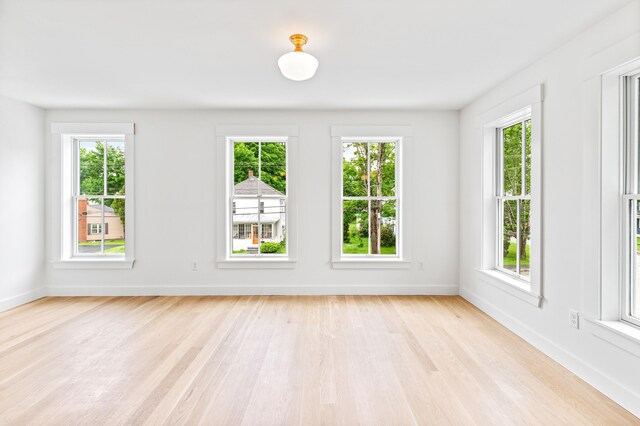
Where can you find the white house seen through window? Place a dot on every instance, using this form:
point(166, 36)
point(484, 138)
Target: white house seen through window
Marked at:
point(259, 197)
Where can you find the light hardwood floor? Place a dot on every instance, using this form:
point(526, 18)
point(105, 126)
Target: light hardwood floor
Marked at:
point(280, 360)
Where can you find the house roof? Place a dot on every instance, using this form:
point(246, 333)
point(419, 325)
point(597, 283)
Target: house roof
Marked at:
point(250, 186)
point(107, 209)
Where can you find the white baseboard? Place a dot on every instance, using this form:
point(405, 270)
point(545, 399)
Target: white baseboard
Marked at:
point(611, 388)
point(240, 290)
point(22, 298)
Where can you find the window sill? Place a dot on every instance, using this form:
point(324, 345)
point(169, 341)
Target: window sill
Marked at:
point(93, 263)
point(514, 287)
point(370, 264)
point(256, 263)
point(618, 333)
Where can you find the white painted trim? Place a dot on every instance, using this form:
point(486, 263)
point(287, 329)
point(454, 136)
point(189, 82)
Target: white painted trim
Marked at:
point(257, 263)
point(22, 298)
point(526, 104)
point(371, 131)
point(370, 264)
point(93, 264)
point(624, 396)
point(617, 333)
point(512, 286)
point(93, 128)
point(241, 290)
point(256, 130)
point(62, 139)
point(612, 57)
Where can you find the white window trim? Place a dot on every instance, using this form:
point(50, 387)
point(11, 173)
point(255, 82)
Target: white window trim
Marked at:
point(62, 218)
point(613, 218)
point(403, 179)
point(525, 105)
point(224, 157)
point(602, 174)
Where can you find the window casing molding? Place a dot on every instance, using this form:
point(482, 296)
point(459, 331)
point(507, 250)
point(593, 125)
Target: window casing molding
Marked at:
point(65, 137)
point(527, 105)
point(401, 136)
point(225, 137)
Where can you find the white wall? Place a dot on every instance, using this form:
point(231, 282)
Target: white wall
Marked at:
point(569, 132)
point(21, 203)
point(175, 200)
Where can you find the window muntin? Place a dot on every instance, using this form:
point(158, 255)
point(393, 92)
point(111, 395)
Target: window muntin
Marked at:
point(513, 198)
point(259, 197)
point(631, 199)
point(369, 197)
point(99, 203)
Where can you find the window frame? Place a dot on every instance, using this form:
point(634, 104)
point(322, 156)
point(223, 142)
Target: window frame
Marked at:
point(65, 137)
point(500, 196)
point(259, 198)
point(402, 135)
point(397, 141)
point(630, 114)
point(224, 210)
point(526, 105)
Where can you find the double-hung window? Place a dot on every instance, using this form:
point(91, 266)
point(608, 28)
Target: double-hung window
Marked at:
point(94, 195)
point(369, 209)
point(513, 198)
point(631, 198)
point(256, 223)
point(511, 257)
point(258, 196)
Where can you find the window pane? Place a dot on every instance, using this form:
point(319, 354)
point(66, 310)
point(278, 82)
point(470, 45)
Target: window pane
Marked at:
point(354, 169)
point(512, 159)
point(115, 167)
point(273, 224)
point(247, 239)
point(355, 227)
point(114, 226)
point(509, 223)
point(91, 165)
point(245, 168)
point(525, 236)
point(527, 145)
point(89, 226)
point(273, 168)
point(383, 227)
point(382, 160)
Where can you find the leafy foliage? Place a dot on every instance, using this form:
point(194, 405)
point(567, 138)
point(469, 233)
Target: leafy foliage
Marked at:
point(387, 236)
point(269, 247)
point(513, 185)
point(272, 169)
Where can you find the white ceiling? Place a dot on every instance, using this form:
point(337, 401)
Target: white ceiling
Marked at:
point(223, 53)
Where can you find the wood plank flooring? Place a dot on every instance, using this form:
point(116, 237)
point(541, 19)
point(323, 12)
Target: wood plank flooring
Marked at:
point(264, 360)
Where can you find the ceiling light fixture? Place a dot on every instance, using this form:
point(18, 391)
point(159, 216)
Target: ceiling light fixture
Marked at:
point(298, 65)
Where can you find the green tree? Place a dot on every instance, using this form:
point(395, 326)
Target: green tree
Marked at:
point(272, 168)
point(513, 184)
point(92, 171)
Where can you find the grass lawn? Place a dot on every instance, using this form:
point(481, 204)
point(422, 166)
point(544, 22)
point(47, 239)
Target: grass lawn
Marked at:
point(638, 243)
point(97, 243)
point(115, 250)
point(511, 256)
point(358, 245)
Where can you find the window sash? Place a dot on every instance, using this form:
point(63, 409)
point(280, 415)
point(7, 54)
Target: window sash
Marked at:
point(76, 193)
point(259, 197)
point(501, 198)
point(630, 198)
point(369, 198)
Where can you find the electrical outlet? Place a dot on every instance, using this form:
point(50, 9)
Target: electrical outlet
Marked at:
point(194, 265)
point(573, 319)
point(421, 265)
